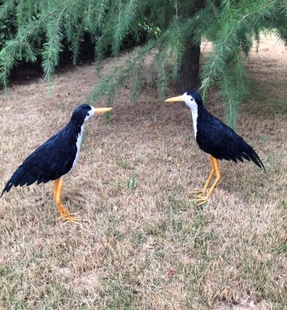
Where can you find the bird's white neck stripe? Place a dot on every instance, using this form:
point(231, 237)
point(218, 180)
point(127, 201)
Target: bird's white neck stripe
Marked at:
point(78, 144)
point(194, 113)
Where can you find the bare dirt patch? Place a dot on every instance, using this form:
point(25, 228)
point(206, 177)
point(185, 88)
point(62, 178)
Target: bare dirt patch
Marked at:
point(142, 243)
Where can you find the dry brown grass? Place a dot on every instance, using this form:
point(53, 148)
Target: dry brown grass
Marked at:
point(142, 244)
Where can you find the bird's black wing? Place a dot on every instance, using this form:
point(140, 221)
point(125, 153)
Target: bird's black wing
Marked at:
point(48, 162)
point(222, 142)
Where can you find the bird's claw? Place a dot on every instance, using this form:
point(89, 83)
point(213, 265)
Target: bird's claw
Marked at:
point(199, 200)
point(196, 192)
point(199, 197)
point(67, 217)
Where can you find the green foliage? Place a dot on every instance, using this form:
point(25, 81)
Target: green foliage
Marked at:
point(7, 23)
point(237, 24)
point(35, 30)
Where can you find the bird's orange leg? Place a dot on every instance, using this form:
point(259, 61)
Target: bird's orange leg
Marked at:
point(211, 173)
point(218, 176)
point(199, 192)
point(216, 170)
point(64, 213)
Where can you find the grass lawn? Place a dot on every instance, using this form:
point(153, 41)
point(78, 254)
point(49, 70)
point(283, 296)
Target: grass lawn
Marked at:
point(142, 244)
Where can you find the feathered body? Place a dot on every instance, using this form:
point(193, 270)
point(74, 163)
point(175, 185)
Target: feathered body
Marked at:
point(219, 140)
point(216, 139)
point(56, 156)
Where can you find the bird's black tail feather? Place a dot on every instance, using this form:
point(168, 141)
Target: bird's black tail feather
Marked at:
point(256, 159)
point(6, 188)
point(247, 152)
point(19, 177)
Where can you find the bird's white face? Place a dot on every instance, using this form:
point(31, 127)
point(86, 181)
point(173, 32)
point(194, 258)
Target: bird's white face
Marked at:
point(96, 111)
point(189, 101)
point(90, 113)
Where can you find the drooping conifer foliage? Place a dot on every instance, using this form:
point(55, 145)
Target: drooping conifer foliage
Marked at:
point(166, 37)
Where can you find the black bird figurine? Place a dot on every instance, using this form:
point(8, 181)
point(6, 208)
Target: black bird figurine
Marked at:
point(216, 139)
point(56, 157)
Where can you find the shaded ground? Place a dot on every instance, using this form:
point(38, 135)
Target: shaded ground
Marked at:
point(142, 244)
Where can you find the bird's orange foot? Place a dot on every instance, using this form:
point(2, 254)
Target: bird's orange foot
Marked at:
point(67, 217)
point(200, 200)
point(197, 193)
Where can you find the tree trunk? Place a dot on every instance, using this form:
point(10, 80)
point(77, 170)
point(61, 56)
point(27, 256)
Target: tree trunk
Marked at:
point(188, 74)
